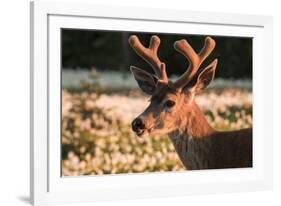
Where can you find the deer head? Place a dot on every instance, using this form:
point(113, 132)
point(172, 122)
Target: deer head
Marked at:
point(172, 104)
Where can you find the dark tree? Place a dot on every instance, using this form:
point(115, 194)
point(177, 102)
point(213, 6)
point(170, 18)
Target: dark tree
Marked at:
point(109, 50)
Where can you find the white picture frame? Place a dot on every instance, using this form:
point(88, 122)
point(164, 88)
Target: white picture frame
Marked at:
point(47, 185)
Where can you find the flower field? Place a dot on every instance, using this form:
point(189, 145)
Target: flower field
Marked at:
point(97, 138)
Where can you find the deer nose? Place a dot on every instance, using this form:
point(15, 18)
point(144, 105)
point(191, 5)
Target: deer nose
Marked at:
point(138, 125)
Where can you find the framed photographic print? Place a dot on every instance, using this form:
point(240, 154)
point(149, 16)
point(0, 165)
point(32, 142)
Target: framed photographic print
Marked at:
point(130, 106)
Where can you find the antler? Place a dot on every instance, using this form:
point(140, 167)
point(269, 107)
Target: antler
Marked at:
point(150, 55)
point(195, 60)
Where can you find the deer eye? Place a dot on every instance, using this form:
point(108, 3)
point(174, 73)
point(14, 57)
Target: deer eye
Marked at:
point(169, 103)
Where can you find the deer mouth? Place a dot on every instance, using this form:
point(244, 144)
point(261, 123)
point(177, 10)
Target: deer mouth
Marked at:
point(139, 133)
point(143, 132)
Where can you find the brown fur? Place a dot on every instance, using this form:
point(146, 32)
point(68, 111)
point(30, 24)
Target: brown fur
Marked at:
point(198, 145)
point(201, 147)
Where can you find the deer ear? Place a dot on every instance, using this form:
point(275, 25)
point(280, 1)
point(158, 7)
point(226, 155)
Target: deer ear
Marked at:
point(205, 77)
point(146, 81)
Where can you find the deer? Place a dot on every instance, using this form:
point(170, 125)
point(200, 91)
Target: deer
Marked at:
point(173, 110)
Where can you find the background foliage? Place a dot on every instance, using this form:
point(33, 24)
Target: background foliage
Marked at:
point(109, 50)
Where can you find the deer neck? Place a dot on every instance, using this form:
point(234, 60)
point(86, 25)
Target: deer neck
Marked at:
point(192, 139)
point(192, 122)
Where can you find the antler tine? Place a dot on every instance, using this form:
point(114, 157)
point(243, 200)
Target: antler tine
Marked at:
point(150, 55)
point(195, 60)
